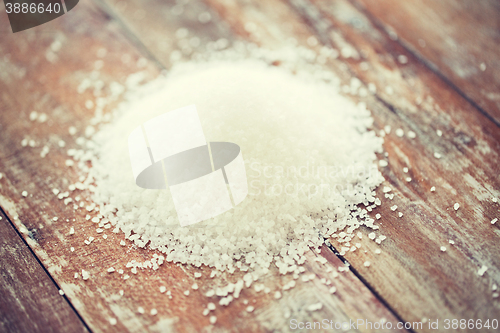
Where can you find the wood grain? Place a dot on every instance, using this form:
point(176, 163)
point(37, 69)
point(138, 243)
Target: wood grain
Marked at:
point(412, 274)
point(44, 71)
point(29, 299)
point(454, 37)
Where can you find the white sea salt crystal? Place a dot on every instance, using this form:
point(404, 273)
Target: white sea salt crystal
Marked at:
point(400, 214)
point(378, 251)
point(197, 275)
point(24, 194)
point(378, 216)
point(482, 270)
point(163, 289)
point(213, 319)
point(140, 310)
point(456, 206)
point(451, 242)
point(113, 321)
point(439, 133)
point(394, 207)
point(111, 270)
point(186, 292)
point(153, 312)
point(242, 92)
point(443, 248)
point(437, 155)
point(433, 189)
point(315, 307)
point(400, 133)
point(383, 163)
point(72, 130)
point(494, 220)
point(61, 292)
point(372, 235)
point(85, 275)
point(402, 59)
point(211, 306)
point(250, 308)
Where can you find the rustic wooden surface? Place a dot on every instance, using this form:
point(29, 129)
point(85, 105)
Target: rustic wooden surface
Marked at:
point(410, 280)
point(29, 299)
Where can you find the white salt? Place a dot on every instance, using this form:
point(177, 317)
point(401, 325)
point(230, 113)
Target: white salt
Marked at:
point(279, 120)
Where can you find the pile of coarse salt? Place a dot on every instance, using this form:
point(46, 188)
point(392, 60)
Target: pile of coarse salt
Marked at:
point(309, 154)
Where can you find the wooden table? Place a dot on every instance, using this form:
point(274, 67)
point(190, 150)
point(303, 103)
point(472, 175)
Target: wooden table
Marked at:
point(435, 66)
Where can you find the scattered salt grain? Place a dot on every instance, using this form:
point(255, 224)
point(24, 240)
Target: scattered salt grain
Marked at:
point(250, 308)
point(113, 321)
point(400, 133)
point(437, 155)
point(412, 135)
point(451, 242)
point(393, 208)
point(72, 130)
point(482, 270)
point(366, 264)
point(402, 59)
point(456, 206)
point(163, 289)
point(400, 214)
point(494, 220)
point(194, 286)
point(61, 292)
point(332, 290)
point(378, 216)
point(433, 189)
point(211, 306)
point(24, 194)
point(405, 170)
point(153, 312)
point(197, 275)
point(111, 270)
point(213, 319)
point(443, 248)
point(140, 310)
point(277, 295)
point(378, 251)
point(439, 133)
point(85, 274)
point(186, 293)
point(408, 179)
point(315, 307)
point(383, 163)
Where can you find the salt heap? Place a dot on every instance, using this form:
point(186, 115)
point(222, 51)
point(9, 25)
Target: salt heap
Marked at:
point(309, 155)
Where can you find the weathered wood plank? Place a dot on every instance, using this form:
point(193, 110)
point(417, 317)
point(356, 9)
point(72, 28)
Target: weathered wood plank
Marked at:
point(412, 274)
point(88, 43)
point(459, 39)
point(29, 299)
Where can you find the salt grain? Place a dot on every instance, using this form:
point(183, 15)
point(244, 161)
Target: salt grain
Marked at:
point(443, 248)
point(456, 206)
point(213, 319)
point(482, 270)
point(494, 221)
